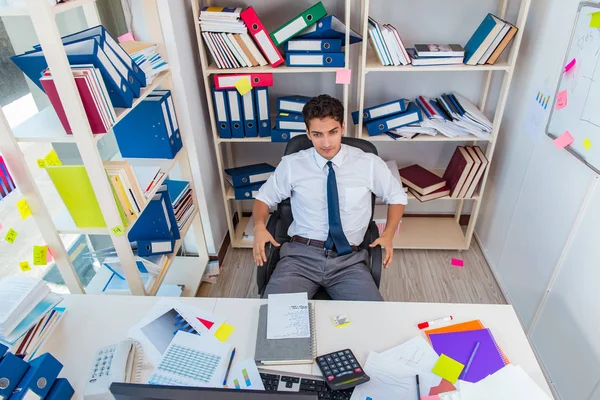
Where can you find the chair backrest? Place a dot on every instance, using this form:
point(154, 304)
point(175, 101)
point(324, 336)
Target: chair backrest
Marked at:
point(295, 145)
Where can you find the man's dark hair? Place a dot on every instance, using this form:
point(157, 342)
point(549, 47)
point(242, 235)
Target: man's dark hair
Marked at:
point(323, 106)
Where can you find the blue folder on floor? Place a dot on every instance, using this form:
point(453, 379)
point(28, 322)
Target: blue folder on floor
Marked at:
point(249, 174)
point(12, 370)
point(39, 378)
point(60, 390)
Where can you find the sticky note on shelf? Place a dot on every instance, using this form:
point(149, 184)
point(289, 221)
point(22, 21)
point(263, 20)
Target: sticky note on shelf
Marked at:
point(595, 21)
point(562, 99)
point(563, 140)
point(24, 265)
point(343, 76)
point(224, 331)
point(243, 86)
point(118, 230)
point(457, 262)
point(448, 368)
point(128, 37)
point(40, 255)
point(52, 159)
point(11, 236)
point(570, 65)
point(24, 209)
point(587, 143)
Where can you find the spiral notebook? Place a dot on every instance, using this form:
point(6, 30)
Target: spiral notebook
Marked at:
point(284, 351)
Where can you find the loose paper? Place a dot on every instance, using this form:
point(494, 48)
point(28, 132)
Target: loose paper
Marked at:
point(562, 100)
point(118, 230)
point(24, 265)
point(389, 380)
point(457, 262)
point(448, 368)
point(52, 159)
point(24, 209)
point(587, 143)
point(563, 140)
point(128, 37)
point(570, 65)
point(287, 316)
point(343, 76)
point(224, 331)
point(243, 86)
point(11, 236)
point(595, 21)
point(245, 375)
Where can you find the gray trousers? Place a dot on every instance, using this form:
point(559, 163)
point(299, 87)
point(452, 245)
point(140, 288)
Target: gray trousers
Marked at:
point(304, 268)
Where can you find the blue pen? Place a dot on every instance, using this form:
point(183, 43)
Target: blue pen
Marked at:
point(229, 367)
point(466, 370)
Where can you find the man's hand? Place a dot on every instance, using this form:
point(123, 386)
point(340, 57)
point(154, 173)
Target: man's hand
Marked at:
point(385, 241)
point(261, 238)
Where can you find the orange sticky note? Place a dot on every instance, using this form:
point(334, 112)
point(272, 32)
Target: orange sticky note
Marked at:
point(118, 230)
point(343, 76)
point(243, 86)
point(561, 100)
point(595, 21)
point(24, 209)
point(40, 254)
point(128, 37)
point(11, 236)
point(563, 140)
point(24, 265)
point(587, 143)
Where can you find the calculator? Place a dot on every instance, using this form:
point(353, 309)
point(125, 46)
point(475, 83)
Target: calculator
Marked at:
point(341, 370)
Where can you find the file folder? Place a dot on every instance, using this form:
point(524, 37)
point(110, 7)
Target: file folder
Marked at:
point(313, 46)
point(261, 36)
point(12, 370)
point(293, 104)
point(247, 192)
point(3, 350)
point(290, 121)
point(228, 81)
point(250, 125)
point(382, 125)
point(235, 114)
point(60, 390)
point(249, 174)
point(381, 110)
point(329, 27)
point(315, 60)
point(298, 24)
point(222, 113)
point(263, 112)
point(38, 379)
point(147, 248)
point(284, 135)
point(168, 110)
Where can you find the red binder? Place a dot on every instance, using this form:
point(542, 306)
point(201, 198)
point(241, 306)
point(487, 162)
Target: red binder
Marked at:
point(261, 36)
point(227, 81)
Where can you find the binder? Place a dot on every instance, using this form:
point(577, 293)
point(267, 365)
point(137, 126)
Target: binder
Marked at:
point(168, 109)
point(147, 248)
point(12, 370)
point(60, 390)
point(313, 46)
point(298, 24)
point(261, 36)
point(247, 192)
point(329, 27)
point(249, 174)
point(222, 113)
point(287, 121)
point(228, 81)
point(281, 135)
point(38, 379)
point(250, 125)
point(382, 125)
point(293, 104)
point(3, 350)
point(381, 110)
point(235, 113)
point(263, 113)
point(315, 60)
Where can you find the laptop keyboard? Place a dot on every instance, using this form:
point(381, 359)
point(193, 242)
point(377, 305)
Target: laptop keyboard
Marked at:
point(315, 384)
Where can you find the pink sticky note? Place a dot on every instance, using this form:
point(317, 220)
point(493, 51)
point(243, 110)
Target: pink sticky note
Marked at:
point(563, 140)
point(343, 76)
point(561, 100)
point(128, 37)
point(570, 65)
point(434, 397)
point(457, 262)
point(49, 255)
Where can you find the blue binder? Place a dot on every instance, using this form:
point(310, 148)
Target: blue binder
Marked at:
point(85, 51)
point(382, 125)
point(222, 113)
point(146, 131)
point(315, 60)
point(39, 378)
point(263, 113)
point(177, 189)
point(3, 350)
point(293, 104)
point(290, 121)
point(249, 111)
point(12, 370)
point(235, 113)
point(168, 109)
point(381, 110)
point(284, 135)
point(247, 192)
point(60, 390)
point(249, 174)
point(329, 27)
point(313, 46)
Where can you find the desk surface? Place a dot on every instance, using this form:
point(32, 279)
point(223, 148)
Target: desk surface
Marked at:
point(95, 321)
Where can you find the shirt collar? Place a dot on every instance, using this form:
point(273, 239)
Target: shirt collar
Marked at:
point(337, 160)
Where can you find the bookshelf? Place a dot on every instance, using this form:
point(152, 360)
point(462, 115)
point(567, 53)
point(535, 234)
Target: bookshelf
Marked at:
point(443, 231)
point(46, 127)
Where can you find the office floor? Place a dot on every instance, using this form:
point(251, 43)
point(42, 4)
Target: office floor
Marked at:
point(414, 276)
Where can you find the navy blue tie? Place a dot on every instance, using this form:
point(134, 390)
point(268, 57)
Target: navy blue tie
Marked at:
point(336, 233)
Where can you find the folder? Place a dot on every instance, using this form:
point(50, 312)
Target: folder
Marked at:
point(284, 135)
point(168, 109)
point(290, 121)
point(329, 27)
point(235, 113)
point(263, 112)
point(250, 125)
point(222, 113)
point(60, 390)
point(228, 81)
point(12, 370)
point(261, 36)
point(293, 104)
point(298, 24)
point(382, 110)
point(247, 192)
point(382, 125)
point(38, 379)
point(3, 350)
point(315, 60)
point(147, 248)
point(249, 174)
point(313, 46)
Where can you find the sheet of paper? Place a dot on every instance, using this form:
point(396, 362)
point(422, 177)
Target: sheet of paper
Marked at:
point(538, 110)
point(245, 375)
point(448, 368)
point(389, 380)
point(454, 395)
point(14, 290)
point(287, 316)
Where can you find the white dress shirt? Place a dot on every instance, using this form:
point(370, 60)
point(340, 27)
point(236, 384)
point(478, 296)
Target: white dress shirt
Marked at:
point(302, 176)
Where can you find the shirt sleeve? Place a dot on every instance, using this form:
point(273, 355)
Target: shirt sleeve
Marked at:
point(278, 187)
point(385, 185)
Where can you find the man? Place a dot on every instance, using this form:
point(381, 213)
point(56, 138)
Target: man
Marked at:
point(329, 187)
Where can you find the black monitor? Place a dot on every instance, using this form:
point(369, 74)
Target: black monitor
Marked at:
point(130, 391)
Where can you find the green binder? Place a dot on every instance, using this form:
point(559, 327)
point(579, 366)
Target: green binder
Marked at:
point(298, 24)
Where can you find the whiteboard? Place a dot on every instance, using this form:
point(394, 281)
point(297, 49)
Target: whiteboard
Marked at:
point(581, 115)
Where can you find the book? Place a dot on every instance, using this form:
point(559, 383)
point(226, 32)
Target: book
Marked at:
point(474, 170)
point(483, 37)
point(420, 179)
point(480, 172)
point(420, 61)
point(441, 192)
point(503, 44)
point(439, 50)
point(284, 351)
point(458, 170)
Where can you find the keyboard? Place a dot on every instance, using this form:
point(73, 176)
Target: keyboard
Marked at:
point(276, 381)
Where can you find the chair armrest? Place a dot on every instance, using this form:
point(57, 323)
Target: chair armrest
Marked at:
point(263, 272)
point(376, 253)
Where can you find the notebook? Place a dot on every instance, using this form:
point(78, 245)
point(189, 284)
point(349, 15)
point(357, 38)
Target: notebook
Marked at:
point(284, 351)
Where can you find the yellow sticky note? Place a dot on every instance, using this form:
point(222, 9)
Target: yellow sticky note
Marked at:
point(11, 236)
point(224, 332)
point(595, 21)
point(24, 209)
point(243, 86)
point(24, 265)
point(587, 143)
point(41, 163)
point(118, 230)
point(40, 255)
point(448, 368)
point(52, 159)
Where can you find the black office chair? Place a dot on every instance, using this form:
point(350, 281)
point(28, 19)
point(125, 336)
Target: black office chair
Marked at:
point(281, 220)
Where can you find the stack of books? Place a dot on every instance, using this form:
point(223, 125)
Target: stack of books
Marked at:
point(289, 122)
point(180, 194)
point(149, 178)
point(247, 180)
point(7, 184)
point(147, 57)
point(489, 41)
point(423, 184)
point(388, 44)
point(436, 54)
point(127, 188)
point(383, 118)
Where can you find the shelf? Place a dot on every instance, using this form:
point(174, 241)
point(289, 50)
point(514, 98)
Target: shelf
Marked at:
point(246, 140)
point(186, 271)
point(281, 69)
point(122, 112)
point(57, 9)
point(373, 65)
point(431, 233)
point(239, 230)
point(423, 138)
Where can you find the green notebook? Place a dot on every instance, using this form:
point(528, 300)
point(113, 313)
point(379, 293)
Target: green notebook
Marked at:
point(298, 24)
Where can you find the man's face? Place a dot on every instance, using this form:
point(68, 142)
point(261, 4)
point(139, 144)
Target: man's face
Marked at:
point(326, 136)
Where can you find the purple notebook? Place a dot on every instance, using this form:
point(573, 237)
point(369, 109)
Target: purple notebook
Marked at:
point(460, 345)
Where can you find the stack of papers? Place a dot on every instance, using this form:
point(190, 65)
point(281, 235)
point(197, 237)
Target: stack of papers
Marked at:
point(222, 19)
point(511, 382)
point(147, 57)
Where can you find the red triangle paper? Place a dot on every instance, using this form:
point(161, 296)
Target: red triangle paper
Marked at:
point(443, 387)
point(206, 323)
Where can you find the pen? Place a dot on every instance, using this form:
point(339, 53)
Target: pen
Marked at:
point(466, 370)
point(427, 324)
point(229, 367)
point(418, 388)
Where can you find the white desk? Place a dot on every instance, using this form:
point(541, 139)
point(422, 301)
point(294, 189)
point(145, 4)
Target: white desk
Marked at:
point(94, 321)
